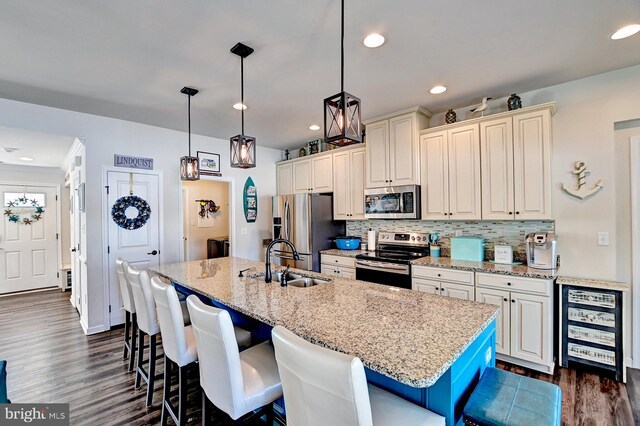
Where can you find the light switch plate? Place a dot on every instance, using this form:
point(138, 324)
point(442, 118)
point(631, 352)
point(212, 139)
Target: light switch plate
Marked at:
point(603, 238)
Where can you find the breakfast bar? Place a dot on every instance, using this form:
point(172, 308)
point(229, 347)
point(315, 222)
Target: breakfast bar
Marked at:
point(427, 349)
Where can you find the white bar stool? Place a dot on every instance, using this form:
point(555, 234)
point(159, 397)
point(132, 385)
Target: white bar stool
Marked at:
point(147, 325)
point(179, 348)
point(236, 382)
point(130, 322)
point(324, 387)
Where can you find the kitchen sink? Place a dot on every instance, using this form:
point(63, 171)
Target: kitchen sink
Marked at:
point(277, 276)
point(307, 282)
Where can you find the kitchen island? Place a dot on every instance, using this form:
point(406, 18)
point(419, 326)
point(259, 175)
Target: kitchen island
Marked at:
point(427, 349)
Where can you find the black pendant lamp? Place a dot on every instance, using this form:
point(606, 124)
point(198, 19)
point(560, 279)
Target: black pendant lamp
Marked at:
point(342, 121)
point(243, 147)
point(189, 169)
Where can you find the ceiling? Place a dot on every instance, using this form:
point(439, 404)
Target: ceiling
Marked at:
point(129, 59)
point(45, 149)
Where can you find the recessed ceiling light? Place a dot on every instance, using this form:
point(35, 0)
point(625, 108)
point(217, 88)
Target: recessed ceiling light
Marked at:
point(314, 127)
point(436, 90)
point(625, 32)
point(25, 158)
point(374, 40)
point(239, 105)
point(9, 149)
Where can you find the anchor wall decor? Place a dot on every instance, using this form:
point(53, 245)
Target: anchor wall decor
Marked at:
point(582, 191)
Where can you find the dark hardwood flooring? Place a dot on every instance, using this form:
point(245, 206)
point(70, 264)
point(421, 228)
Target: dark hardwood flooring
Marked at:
point(51, 360)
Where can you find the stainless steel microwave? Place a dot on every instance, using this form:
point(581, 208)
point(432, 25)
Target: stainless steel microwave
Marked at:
point(394, 202)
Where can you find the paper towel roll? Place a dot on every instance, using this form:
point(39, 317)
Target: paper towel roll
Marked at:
point(371, 240)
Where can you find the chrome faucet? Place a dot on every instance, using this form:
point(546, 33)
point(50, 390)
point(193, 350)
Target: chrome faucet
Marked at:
point(267, 264)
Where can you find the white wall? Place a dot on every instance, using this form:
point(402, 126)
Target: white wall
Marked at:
point(44, 176)
point(217, 223)
point(106, 136)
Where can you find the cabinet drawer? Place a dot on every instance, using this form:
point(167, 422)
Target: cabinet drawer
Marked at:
point(520, 284)
point(443, 274)
point(592, 354)
point(591, 335)
point(591, 317)
point(427, 286)
point(592, 298)
point(328, 259)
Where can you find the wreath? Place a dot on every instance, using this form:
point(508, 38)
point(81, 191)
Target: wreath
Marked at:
point(29, 218)
point(122, 204)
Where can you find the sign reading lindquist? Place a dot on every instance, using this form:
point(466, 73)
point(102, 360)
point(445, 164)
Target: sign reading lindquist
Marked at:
point(132, 162)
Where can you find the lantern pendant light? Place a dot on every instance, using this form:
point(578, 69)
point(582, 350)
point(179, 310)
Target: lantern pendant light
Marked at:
point(189, 168)
point(243, 147)
point(342, 120)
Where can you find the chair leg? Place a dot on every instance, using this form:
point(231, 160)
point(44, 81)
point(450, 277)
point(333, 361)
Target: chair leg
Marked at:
point(132, 352)
point(205, 409)
point(182, 395)
point(140, 358)
point(127, 326)
point(166, 393)
point(152, 369)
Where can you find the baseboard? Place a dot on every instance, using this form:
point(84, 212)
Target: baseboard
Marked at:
point(37, 290)
point(528, 364)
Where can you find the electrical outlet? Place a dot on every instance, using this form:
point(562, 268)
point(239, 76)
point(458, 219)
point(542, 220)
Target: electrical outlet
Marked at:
point(243, 231)
point(603, 239)
point(458, 233)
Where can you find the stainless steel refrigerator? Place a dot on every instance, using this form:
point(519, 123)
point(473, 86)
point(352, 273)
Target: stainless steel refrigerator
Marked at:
point(307, 221)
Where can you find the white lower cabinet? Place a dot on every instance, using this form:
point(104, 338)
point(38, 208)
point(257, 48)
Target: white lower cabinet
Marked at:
point(523, 328)
point(338, 266)
point(443, 282)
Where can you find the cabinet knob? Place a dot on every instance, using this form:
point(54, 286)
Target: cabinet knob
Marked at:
point(505, 299)
point(508, 283)
point(510, 212)
point(450, 214)
point(517, 212)
point(337, 272)
point(336, 260)
point(437, 289)
point(513, 300)
point(439, 275)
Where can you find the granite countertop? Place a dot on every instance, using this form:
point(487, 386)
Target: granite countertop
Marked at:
point(591, 283)
point(497, 268)
point(344, 253)
point(410, 336)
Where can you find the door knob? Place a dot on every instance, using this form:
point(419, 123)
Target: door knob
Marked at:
point(153, 253)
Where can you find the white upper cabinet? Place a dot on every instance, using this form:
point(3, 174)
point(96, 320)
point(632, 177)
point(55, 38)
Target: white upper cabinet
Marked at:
point(496, 142)
point(516, 166)
point(450, 170)
point(284, 176)
point(377, 149)
point(392, 148)
point(532, 164)
point(322, 170)
point(314, 174)
point(348, 191)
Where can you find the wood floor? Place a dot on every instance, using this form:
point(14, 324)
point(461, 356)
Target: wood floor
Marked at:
point(51, 360)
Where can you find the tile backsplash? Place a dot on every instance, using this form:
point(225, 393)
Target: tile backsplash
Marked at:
point(509, 232)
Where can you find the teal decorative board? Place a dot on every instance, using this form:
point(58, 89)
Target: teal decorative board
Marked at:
point(250, 198)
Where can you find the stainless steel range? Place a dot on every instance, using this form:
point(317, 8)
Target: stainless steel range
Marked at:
point(390, 264)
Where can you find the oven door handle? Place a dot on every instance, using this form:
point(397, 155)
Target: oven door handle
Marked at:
point(382, 265)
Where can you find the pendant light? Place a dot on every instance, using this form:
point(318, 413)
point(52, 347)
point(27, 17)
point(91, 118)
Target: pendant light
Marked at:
point(243, 147)
point(342, 121)
point(189, 169)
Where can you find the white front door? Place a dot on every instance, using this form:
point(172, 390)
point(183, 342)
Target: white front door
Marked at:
point(28, 252)
point(140, 247)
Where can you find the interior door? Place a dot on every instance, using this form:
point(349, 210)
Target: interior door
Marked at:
point(140, 247)
point(28, 252)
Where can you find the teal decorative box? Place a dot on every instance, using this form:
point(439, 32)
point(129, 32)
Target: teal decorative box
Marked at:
point(467, 248)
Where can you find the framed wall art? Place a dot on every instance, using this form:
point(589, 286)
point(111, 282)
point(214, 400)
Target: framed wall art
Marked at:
point(209, 163)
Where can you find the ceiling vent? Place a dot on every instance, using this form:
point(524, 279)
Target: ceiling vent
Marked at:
point(9, 149)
